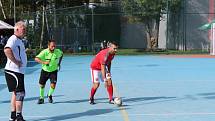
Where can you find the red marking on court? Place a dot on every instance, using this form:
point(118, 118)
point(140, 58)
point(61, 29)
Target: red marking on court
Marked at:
point(190, 56)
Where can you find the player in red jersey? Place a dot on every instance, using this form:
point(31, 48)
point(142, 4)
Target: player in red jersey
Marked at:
point(100, 71)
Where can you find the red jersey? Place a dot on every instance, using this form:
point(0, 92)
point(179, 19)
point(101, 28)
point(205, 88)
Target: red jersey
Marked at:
point(103, 57)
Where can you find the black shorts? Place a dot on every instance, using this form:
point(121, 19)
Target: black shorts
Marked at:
point(44, 76)
point(15, 81)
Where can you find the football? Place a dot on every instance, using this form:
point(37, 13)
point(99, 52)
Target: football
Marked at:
point(118, 101)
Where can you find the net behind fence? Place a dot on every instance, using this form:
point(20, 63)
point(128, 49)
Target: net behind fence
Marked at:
point(82, 28)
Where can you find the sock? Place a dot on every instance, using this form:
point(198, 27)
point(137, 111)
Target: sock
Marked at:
point(13, 115)
point(51, 91)
point(93, 91)
point(42, 92)
point(110, 91)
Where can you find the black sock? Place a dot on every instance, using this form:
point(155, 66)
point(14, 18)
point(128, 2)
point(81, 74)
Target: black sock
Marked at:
point(13, 115)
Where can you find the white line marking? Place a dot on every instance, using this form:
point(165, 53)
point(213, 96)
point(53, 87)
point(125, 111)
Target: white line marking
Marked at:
point(122, 109)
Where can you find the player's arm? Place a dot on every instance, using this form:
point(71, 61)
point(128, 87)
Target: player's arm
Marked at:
point(109, 67)
point(39, 60)
point(9, 54)
point(103, 70)
point(60, 59)
point(108, 70)
point(59, 63)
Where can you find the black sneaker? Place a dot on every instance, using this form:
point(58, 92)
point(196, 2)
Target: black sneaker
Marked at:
point(111, 101)
point(19, 118)
point(91, 101)
point(40, 101)
point(50, 99)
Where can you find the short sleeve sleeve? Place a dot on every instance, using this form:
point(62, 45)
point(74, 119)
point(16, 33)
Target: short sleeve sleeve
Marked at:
point(59, 53)
point(104, 58)
point(41, 55)
point(10, 44)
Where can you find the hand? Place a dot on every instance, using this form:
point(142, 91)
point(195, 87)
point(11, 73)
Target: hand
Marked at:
point(46, 63)
point(107, 81)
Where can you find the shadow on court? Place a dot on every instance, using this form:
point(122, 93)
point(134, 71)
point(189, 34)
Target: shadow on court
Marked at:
point(30, 99)
point(151, 100)
point(145, 100)
point(97, 100)
point(93, 112)
point(210, 95)
point(140, 99)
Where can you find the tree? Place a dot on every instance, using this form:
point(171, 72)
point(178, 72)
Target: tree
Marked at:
point(149, 12)
point(47, 15)
point(6, 8)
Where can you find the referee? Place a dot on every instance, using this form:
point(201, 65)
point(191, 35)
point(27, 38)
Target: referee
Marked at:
point(50, 59)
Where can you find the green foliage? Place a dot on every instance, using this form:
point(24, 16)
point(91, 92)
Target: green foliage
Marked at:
point(175, 5)
point(149, 9)
point(143, 8)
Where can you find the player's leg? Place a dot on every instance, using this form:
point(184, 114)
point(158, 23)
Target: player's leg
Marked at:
point(42, 83)
point(109, 87)
point(13, 107)
point(15, 82)
point(20, 95)
point(53, 80)
point(19, 105)
point(93, 92)
point(96, 83)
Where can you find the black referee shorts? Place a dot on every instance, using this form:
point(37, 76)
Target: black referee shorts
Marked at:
point(15, 81)
point(44, 76)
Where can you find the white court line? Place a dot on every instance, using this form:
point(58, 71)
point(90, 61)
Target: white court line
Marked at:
point(122, 109)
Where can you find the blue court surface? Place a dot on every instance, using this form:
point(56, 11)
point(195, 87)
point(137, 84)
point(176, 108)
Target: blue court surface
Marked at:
point(153, 88)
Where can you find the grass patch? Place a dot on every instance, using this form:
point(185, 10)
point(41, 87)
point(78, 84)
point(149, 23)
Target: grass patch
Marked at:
point(158, 52)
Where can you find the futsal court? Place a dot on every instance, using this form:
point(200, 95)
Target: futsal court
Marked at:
point(153, 88)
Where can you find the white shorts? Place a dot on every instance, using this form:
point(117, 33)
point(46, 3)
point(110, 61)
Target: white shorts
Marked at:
point(96, 76)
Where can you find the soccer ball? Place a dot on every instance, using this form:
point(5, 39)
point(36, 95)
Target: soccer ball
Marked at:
point(118, 101)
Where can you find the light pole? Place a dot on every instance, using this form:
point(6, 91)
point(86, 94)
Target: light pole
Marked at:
point(14, 11)
point(92, 6)
point(167, 21)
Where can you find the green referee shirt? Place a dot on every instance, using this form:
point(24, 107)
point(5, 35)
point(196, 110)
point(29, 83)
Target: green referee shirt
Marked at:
point(54, 57)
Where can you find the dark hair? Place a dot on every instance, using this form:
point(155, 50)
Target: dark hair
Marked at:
point(51, 40)
point(114, 43)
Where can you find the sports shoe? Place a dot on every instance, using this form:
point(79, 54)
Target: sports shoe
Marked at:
point(50, 99)
point(40, 101)
point(91, 101)
point(111, 101)
point(12, 119)
point(20, 118)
